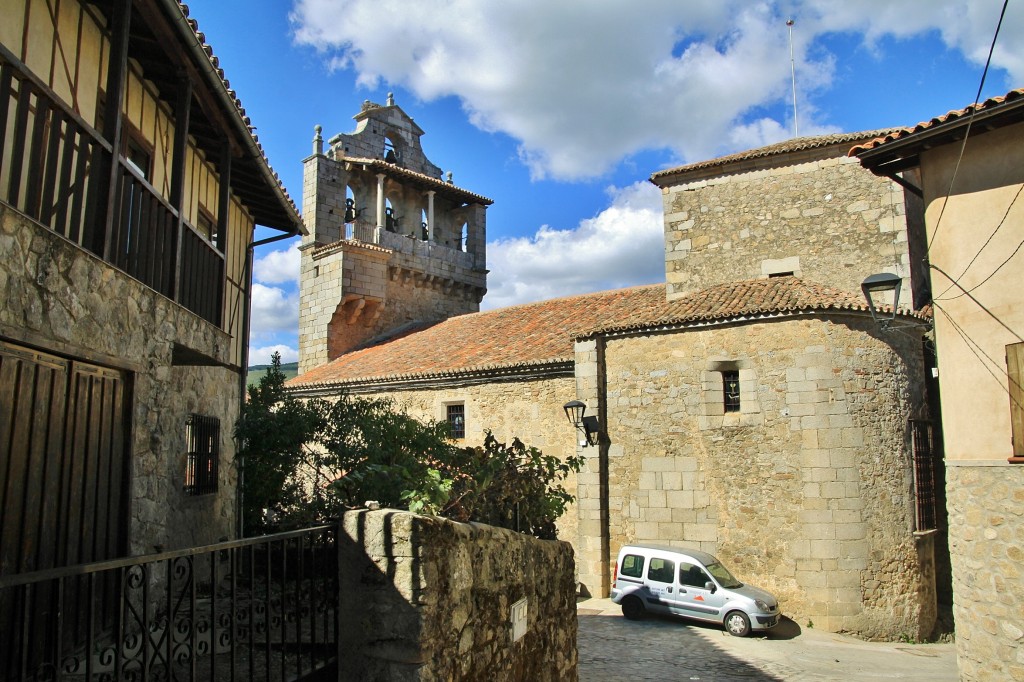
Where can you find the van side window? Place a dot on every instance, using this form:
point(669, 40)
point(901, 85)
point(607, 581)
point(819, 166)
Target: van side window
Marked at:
point(662, 570)
point(632, 566)
point(692, 575)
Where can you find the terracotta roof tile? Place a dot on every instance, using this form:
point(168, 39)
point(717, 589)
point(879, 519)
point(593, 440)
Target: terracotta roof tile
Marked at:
point(744, 299)
point(949, 117)
point(517, 336)
point(441, 185)
point(796, 144)
point(542, 333)
point(240, 111)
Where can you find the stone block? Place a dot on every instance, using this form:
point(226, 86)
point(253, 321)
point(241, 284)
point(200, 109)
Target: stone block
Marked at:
point(679, 499)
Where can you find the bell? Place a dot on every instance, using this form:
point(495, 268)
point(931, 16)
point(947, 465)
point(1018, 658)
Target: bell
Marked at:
point(350, 211)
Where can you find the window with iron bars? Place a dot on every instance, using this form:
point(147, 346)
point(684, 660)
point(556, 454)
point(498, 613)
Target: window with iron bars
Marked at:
point(202, 439)
point(731, 390)
point(457, 420)
point(924, 474)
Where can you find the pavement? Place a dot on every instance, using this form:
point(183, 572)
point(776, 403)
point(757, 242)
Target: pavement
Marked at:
point(668, 649)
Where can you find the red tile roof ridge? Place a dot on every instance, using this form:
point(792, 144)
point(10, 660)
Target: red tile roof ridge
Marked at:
point(948, 117)
point(749, 298)
point(795, 144)
point(417, 175)
point(541, 334)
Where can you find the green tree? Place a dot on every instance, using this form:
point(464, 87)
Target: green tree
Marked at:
point(308, 461)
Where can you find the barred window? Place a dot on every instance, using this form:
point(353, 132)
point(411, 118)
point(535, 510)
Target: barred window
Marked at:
point(457, 420)
point(731, 390)
point(202, 440)
point(924, 474)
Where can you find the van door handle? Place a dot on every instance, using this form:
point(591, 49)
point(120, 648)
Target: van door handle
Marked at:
point(668, 589)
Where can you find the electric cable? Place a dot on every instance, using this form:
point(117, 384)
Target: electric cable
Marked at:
point(978, 352)
point(967, 130)
point(983, 246)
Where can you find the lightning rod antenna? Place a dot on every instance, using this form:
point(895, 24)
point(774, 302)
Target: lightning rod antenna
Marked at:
point(792, 68)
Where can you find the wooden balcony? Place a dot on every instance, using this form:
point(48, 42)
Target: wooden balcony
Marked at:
point(58, 170)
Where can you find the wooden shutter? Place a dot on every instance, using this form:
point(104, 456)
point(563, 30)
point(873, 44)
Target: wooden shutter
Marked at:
point(63, 461)
point(1015, 372)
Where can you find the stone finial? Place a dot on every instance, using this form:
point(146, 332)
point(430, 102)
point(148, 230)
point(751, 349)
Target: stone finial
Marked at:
point(318, 140)
point(391, 99)
point(450, 178)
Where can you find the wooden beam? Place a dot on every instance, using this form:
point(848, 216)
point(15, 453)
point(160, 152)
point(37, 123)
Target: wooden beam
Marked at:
point(117, 69)
point(182, 109)
point(224, 197)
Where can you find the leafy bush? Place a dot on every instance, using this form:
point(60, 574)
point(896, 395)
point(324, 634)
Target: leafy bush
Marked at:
point(308, 461)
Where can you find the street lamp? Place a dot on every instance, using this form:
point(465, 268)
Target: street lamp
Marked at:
point(588, 426)
point(877, 288)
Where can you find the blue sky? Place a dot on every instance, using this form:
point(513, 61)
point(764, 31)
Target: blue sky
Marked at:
point(560, 111)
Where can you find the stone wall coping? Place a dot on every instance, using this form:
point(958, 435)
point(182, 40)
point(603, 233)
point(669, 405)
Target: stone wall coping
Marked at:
point(541, 369)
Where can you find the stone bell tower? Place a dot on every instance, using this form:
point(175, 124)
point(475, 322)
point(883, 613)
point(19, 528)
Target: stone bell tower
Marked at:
point(390, 241)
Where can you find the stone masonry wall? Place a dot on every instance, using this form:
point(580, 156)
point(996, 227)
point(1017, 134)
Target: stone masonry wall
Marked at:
point(397, 279)
point(427, 599)
point(528, 410)
point(825, 219)
point(807, 491)
point(986, 536)
point(62, 299)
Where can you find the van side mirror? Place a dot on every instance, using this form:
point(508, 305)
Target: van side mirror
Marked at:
point(710, 586)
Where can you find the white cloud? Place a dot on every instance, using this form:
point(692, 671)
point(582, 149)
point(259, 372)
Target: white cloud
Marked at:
point(278, 267)
point(261, 356)
point(621, 246)
point(583, 88)
point(273, 310)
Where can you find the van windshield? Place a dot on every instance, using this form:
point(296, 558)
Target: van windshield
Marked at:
point(723, 576)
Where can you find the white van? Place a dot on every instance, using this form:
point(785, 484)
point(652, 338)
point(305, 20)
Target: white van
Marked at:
point(691, 583)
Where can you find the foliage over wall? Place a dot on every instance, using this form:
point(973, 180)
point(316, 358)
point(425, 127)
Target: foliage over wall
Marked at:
point(307, 461)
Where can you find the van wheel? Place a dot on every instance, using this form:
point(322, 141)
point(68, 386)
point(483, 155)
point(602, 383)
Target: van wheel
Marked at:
point(632, 608)
point(737, 623)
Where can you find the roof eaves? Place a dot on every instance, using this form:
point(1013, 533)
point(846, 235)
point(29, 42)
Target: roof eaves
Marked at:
point(791, 146)
point(519, 369)
point(437, 183)
point(195, 40)
point(909, 140)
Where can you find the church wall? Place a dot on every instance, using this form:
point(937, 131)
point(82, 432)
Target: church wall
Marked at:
point(807, 491)
point(530, 410)
point(824, 219)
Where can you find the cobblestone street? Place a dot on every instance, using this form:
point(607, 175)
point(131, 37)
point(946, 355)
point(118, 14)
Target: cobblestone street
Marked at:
point(612, 648)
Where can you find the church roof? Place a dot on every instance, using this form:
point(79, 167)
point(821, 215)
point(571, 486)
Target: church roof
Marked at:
point(671, 176)
point(539, 335)
point(533, 334)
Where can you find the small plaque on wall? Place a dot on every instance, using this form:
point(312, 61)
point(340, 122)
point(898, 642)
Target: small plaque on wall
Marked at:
point(519, 615)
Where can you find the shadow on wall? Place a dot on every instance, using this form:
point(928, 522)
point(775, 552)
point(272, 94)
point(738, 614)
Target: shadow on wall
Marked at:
point(427, 598)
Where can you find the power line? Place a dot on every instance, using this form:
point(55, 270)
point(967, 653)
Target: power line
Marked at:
point(979, 304)
point(956, 283)
point(978, 352)
point(967, 130)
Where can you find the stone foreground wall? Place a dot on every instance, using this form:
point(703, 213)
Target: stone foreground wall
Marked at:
point(986, 536)
point(426, 599)
point(64, 300)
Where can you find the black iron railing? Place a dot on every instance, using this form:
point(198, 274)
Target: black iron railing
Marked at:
point(257, 609)
point(55, 168)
